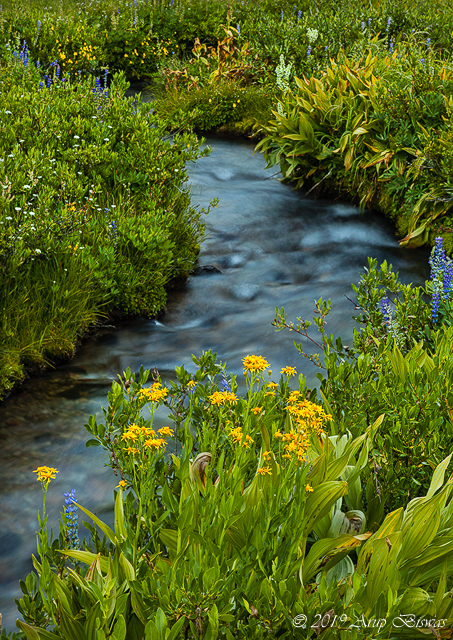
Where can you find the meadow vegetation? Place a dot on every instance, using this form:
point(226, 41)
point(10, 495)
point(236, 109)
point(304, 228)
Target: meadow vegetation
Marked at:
point(288, 512)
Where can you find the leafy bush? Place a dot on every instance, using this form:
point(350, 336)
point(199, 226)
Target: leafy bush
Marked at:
point(399, 366)
point(94, 212)
point(360, 128)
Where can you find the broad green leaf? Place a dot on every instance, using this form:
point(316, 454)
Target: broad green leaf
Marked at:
point(102, 526)
point(438, 477)
point(323, 550)
point(87, 557)
point(119, 514)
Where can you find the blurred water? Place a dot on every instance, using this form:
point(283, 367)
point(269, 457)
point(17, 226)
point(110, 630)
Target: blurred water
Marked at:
point(272, 247)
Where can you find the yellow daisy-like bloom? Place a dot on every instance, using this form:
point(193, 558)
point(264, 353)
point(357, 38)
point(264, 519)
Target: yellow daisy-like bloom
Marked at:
point(191, 384)
point(289, 371)
point(121, 483)
point(267, 455)
point(248, 441)
point(278, 434)
point(166, 431)
point(156, 393)
point(270, 393)
point(308, 489)
point(132, 451)
point(234, 104)
point(257, 410)
point(308, 416)
point(293, 397)
point(236, 434)
point(255, 364)
point(154, 443)
point(264, 470)
point(45, 474)
point(272, 385)
point(129, 435)
point(222, 397)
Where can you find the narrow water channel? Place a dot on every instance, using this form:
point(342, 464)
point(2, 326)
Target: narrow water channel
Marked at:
point(269, 246)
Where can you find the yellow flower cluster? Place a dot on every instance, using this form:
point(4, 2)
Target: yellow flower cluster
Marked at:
point(307, 415)
point(255, 364)
point(222, 397)
point(296, 444)
point(45, 474)
point(145, 436)
point(289, 371)
point(264, 470)
point(156, 393)
point(257, 410)
point(236, 435)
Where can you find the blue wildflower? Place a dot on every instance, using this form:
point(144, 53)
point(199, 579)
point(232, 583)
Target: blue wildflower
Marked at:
point(282, 15)
point(72, 524)
point(299, 15)
point(308, 51)
point(369, 21)
point(225, 382)
point(437, 259)
point(389, 22)
point(386, 308)
point(448, 278)
point(238, 28)
point(428, 42)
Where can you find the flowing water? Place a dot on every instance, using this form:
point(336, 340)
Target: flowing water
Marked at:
point(269, 246)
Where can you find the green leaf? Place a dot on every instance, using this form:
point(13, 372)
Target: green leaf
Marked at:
point(102, 526)
point(87, 557)
point(92, 443)
point(438, 477)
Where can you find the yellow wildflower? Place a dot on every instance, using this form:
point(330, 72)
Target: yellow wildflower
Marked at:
point(192, 383)
point(156, 393)
point(257, 410)
point(45, 474)
point(121, 483)
point(263, 470)
point(289, 371)
point(255, 364)
point(222, 397)
point(278, 434)
point(166, 431)
point(272, 385)
point(247, 442)
point(154, 443)
point(308, 489)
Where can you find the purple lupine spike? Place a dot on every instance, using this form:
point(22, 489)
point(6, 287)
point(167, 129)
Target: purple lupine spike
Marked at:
point(437, 259)
point(72, 524)
point(386, 308)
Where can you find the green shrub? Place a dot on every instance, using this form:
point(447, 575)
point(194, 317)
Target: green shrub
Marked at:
point(94, 212)
point(399, 365)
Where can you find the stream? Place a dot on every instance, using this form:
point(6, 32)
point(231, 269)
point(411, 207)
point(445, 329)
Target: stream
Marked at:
point(270, 246)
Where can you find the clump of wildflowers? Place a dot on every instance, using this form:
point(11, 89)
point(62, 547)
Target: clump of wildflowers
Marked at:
point(255, 364)
point(155, 393)
point(45, 474)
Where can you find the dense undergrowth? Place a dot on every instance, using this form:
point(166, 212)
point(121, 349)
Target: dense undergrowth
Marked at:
point(95, 216)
